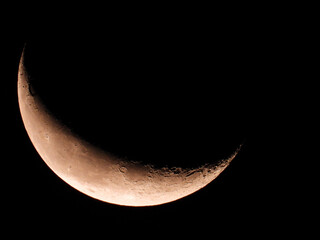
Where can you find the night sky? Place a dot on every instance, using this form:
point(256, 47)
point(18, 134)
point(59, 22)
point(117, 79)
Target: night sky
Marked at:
point(83, 73)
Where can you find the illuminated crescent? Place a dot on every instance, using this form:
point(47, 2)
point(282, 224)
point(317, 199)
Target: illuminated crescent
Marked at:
point(97, 173)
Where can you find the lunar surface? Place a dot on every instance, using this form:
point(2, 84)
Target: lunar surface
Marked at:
point(100, 174)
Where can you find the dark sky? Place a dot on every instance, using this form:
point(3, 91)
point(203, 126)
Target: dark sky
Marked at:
point(228, 74)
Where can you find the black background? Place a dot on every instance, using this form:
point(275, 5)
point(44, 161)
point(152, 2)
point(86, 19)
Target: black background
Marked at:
point(237, 67)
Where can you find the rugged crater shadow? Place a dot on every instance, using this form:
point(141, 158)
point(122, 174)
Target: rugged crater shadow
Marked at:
point(166, 103)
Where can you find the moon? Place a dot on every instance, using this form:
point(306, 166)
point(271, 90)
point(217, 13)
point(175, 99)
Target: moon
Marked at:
point(98, 173)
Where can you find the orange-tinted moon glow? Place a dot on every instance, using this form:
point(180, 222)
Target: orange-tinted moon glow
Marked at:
point(97, 173)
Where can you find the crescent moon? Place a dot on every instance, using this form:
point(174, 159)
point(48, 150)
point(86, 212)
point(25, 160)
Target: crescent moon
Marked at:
point(97, 173)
